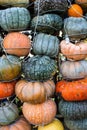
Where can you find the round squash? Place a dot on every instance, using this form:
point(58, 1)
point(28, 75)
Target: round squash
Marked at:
point(39, 68)
point(47, 23)
point(14, 19)
point(56, 124)
point(17, 44)
point(8, 113)
point(77, 51)
point(10, 68)
point(20, 124)
point(44, 44)
point(74, 70)
point(40, 114)
point(34, 92)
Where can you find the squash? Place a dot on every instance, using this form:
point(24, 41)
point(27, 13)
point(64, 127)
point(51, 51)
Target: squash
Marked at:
point(20, 124)
point(39, 68)
point(17, 44)
point(39, 114)
point(44, 44)
point(77, 51)
point(8, 113)
point(47, 23)
point(72, 90)
point(14, 19)
point(82, 3)
point(10, 68)
point(56, 124)
point(34, 92)
point(74, 70)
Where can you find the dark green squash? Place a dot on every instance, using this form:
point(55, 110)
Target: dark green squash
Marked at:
point(39, 68)
point(44, 44)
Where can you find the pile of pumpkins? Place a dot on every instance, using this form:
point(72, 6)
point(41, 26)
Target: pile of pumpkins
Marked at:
point(30, 69)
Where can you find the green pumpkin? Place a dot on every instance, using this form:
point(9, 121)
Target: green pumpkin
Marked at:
point(10, 67)
point(44, 44)
point(14, 19)
point(47, 23)
point(39, 68)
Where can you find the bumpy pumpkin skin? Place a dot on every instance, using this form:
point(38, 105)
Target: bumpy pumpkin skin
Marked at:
point(39, 114)
point(14, 19)
point(17, 44)
point(20, 124)
point(34, 92)
point(72, 91)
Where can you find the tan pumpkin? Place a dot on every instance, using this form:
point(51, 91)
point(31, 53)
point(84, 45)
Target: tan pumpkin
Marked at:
point(40, 114)
point(17, 44)
point(34, 92)
point(72, 51)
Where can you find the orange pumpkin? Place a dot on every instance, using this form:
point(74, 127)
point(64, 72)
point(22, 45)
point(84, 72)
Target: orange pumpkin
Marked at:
point(40, 114)
point(34, 92)
point(72, 91)
point(72, 51)
point(17, 44)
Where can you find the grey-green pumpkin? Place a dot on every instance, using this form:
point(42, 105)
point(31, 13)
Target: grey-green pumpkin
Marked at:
point(14, 19)
point(44, 44)
point(39, 68)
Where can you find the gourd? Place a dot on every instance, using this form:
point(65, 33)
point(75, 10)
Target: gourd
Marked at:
point(82, 3)
point(44, 44)
point(47, 23)
point(77, 51)
point(17, 44)
point(14, 19)
point(10, 68)
point(8, 113)
point(39, 68)
point(34, 92)
point(73, 110)
point(72, 90)
point(39, 114)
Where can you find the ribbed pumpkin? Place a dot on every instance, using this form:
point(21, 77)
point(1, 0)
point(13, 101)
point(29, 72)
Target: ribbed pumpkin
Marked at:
point(44, 44)
point(10, 67)
point(34, 92)
point(17, 44)
point(54, 125)
point(20, 124)
point(74, 70)
point(14, 19)
point(8, 113)
point(47, 23)
point(75, 28)
point(40, 114)
point(72, 91)
point(77, 51)
point(39, 68)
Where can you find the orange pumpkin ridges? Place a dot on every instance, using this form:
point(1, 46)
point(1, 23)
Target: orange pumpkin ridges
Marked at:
point(72, 91)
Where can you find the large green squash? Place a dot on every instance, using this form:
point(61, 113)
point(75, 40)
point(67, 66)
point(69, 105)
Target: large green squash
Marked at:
point(14, 19)
point(39, 68)
point(44, 44)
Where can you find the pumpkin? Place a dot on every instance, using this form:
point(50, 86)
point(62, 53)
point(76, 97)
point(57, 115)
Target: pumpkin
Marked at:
point(17, 44)
point(74, 70)
point(10, 68)
point(14, 19)
point(56, 124)
point(39, 68)
point(8, 113)
point(40, 114)
point(44, 44)
point(20, 124)
point(77, 51)
point(18, 3)
point(72, 90)
point(47, 23)
point(34, 92)
point(75, 28)
point(82, 3)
